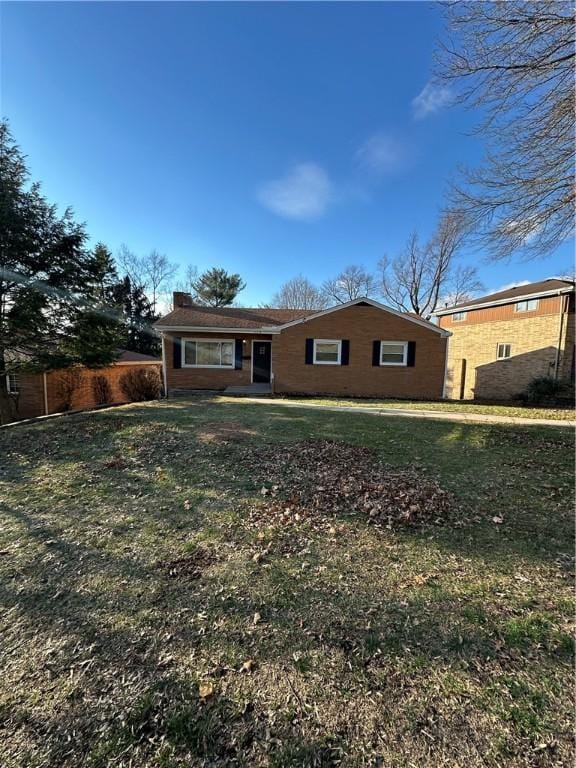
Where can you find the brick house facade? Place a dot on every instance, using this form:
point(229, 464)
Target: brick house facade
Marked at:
point(358, 349)
point(500, 342)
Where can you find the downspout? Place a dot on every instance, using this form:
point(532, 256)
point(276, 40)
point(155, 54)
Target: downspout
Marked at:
point(45, 385)
point(447, 350)
point(560, 330)
point(164, 377)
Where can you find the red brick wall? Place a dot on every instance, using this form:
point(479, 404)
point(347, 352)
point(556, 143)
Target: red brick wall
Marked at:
point(30, 400)
point(83, 397)
point(210, 378)
point(361, 325)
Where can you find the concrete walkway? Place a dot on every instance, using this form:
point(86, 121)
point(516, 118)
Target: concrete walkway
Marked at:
point(470, 418)
point(250, 389)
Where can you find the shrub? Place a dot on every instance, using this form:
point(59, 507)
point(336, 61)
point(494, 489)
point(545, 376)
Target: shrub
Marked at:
point(141, 384)
point(545, 390)
point(102, 390)
point(66, 387)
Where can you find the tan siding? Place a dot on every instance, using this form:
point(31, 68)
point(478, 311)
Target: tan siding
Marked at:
point(547, 305)
point(361, 325)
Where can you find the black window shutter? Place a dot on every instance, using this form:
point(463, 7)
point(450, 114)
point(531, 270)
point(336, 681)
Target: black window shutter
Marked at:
point(309, 351)
point(177, 352)
point(345, 352)
point(375, 353)
point(411, 358)
point(238, 354)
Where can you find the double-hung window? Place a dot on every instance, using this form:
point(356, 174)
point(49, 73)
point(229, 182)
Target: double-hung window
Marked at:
point(327, 351)
point(393, 352)
point(206, 353)
point(12, 383)
point(503, 351)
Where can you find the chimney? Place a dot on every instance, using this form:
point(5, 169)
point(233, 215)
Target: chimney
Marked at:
point(181, 299)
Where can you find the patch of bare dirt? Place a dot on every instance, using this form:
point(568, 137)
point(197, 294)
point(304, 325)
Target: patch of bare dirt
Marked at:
point(225, 432)
point(314, 479)
point(190, 567)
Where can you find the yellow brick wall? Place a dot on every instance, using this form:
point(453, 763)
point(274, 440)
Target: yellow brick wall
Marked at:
point(567, 361)
point(534, 343)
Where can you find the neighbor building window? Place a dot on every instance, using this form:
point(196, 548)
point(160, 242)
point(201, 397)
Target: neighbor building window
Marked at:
point(327, 351)
point(12, 383)
point(458, 317)
point(527, 306)
point(207, 353)
point(393, 352)
point(504, 351)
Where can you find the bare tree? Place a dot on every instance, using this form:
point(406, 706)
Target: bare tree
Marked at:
point(299, 293)
point(153, 272)
point(158, 272)
point(130, 265)
point(462, 285)
point(352, 283)
point(515, 60)
point(421, 275)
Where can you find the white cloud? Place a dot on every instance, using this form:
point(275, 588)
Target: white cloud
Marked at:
point(508, 286)
point(304, 193)
point(431, 99)
point(381, 154)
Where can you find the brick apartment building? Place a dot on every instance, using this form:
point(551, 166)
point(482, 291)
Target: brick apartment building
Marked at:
point(501, 342)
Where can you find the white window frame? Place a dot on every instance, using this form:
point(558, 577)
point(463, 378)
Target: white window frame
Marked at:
point(328, 362)
point(404, 362)
point(231, 367)
point(9, 388)
point(459, 317)
point(503, 344)
point(536, 303)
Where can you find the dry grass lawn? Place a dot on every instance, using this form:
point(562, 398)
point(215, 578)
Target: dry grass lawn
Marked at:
point(183, 584)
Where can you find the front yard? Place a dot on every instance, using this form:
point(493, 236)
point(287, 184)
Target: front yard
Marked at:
point(197, 584)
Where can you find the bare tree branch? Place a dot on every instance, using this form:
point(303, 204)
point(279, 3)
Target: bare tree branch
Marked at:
point(299, 293)
point(515, 61)
point(152, 272)
point(352, 283)
point(422, 275)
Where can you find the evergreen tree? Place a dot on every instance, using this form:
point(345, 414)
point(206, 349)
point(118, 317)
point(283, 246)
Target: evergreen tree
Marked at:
point(47, 279)
point(138, 316)
point(217, 288)
point(105, 274)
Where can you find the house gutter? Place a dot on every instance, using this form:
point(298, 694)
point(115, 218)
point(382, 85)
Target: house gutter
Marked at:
point(445, 367)
point(164, 376)
point(45, 387)
point(563, 305)
point(216, 329)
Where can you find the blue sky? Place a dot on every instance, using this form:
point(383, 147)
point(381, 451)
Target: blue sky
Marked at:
point(268, 138)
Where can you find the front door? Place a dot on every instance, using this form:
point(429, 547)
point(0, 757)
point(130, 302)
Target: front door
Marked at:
point(261, 361)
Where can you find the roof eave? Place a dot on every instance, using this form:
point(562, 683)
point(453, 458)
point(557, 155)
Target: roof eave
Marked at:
point(215, 329)
point(499, 302)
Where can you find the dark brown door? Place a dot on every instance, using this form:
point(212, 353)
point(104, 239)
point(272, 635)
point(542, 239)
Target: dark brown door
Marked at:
point(261, 362)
